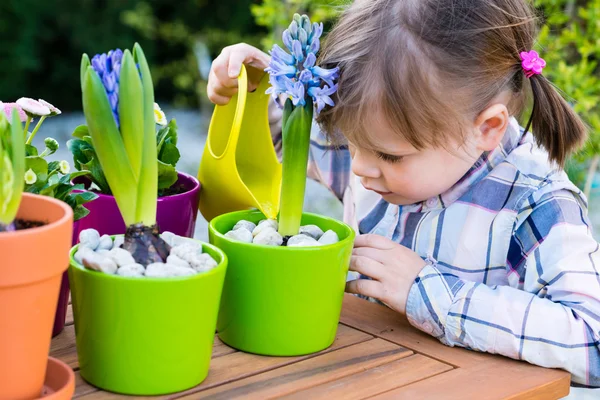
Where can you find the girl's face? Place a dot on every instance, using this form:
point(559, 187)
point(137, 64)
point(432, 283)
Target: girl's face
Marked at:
point(404, 175)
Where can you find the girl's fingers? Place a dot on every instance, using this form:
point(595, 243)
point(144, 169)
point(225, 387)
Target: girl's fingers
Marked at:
point(375, 254)
point(367, 266)
point(243, 53)
point(365, 287)
point(374, 241)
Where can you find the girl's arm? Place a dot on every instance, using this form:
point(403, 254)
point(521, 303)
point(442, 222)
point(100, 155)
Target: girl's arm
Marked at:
point(554, 321)
point(327, 164)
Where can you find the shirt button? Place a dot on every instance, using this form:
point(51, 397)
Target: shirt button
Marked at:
point(427, 327)
point(432, 202)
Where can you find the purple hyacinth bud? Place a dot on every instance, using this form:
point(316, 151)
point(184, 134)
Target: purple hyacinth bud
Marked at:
point(305, 76)
point(108, 67)
point(302, 37)
point(314, 46)
point(297, 50)
point(310, 61)
point(294, 30)
point(281, 55)
point(287, 39)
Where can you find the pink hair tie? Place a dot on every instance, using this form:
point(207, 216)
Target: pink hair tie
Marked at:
point(532, 63)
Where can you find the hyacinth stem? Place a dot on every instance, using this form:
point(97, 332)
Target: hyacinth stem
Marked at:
point(37, 127)
point(296, 142)
point(26, 129)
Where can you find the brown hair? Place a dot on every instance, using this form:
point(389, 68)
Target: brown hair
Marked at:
point(431, 66)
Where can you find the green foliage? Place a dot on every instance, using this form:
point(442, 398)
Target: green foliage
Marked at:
point(86, 159)
point(276, 14)
point(41, 41)
point(54, 178)
point(570, 43)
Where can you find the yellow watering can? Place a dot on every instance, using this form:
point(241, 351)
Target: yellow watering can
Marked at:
point(239, 167)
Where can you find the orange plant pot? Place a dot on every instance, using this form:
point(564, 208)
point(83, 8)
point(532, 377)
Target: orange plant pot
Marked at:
point(31, 265)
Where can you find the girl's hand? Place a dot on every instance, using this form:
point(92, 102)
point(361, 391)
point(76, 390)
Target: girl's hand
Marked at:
point(392, 267)
point(223, 78)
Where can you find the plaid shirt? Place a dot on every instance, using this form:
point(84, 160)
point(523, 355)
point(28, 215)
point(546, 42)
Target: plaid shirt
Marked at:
point(513, 266)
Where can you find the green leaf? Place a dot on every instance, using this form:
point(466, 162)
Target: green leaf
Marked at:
point(131, 112)
point(81, 131)
point(53, 165)
point(85, 63)
point(30, 150)
point(79, 212)
point(109, 146)
point(148, 182)
point(170, 154)
point(167, 175)
point(39, 166)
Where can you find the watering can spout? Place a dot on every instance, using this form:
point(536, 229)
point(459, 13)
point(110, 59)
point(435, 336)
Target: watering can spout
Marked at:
point(239, 168)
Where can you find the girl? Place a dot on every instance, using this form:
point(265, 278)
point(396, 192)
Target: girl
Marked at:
point(470, 227)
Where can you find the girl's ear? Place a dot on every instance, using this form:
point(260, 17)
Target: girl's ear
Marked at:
point(490, 126)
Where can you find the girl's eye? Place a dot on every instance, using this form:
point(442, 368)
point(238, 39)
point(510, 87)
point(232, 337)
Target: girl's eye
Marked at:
point(389, 158)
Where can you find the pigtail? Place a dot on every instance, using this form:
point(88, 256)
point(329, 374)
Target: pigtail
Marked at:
point(556, 126)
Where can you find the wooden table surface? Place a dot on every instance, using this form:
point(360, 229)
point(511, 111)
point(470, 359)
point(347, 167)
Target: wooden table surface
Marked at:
point(376, 355)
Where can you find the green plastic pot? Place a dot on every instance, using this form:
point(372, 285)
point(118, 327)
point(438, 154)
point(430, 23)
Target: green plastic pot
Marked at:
point(281, 301)
point(145, 336)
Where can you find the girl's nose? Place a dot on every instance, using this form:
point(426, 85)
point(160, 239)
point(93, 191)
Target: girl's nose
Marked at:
point(364, 165)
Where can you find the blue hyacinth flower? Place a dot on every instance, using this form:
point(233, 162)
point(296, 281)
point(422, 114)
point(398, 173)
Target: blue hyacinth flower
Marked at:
point(294, 72)
point(108, 67)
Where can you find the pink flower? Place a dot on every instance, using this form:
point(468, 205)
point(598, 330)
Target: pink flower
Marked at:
point(53, 110)
point(8, 107)
point(532, 63)
point(32, 107)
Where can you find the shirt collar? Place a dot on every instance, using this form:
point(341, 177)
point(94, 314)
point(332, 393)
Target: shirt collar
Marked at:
point(482, 167)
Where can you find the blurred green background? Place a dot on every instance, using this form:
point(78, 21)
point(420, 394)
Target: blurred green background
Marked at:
point(41, 43)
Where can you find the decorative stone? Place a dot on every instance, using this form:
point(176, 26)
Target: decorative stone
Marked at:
point(121, 257)
point(329, 237)
point(245, 224)
point(302, 241)
point(265, 224)
point(311, 230)
point(162, 270)
point(118, 242)
point(187, 251)
point(100, 263)
point(240, 234)
point(103, 252)
point(268, 236)
point(202, 263)
point(89, 238)
point(131, 270)
point(82, 252)
point(105, 243)
point(175, 260)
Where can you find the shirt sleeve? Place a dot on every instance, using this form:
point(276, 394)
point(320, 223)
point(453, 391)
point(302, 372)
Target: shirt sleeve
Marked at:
point(552, 317)
point(328, 164)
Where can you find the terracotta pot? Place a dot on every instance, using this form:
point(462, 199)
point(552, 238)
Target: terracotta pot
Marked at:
point(32, 262)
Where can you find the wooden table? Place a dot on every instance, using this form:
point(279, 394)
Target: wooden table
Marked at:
point(376, 354)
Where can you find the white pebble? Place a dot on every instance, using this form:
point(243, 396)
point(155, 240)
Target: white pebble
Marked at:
point(268, 236)
point(240, 234)
point(131, 270)
point(119, 240)
point(302, 241)
point(175, 260)
point(329, 237)
point(187, 251)
point(244, 224)
point(105, 243)
point(204, 262)
point(103, 252)
point(161, 270)
point(265, 224)
point(311, 230)
point(121, 257)
point(89, 238)
point(82, 252)
point(100, 263)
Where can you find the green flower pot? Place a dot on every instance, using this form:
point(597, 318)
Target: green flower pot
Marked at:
point(281, 301)
point(145, 336)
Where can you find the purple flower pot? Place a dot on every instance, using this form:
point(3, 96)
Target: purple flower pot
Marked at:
point(175, 214)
